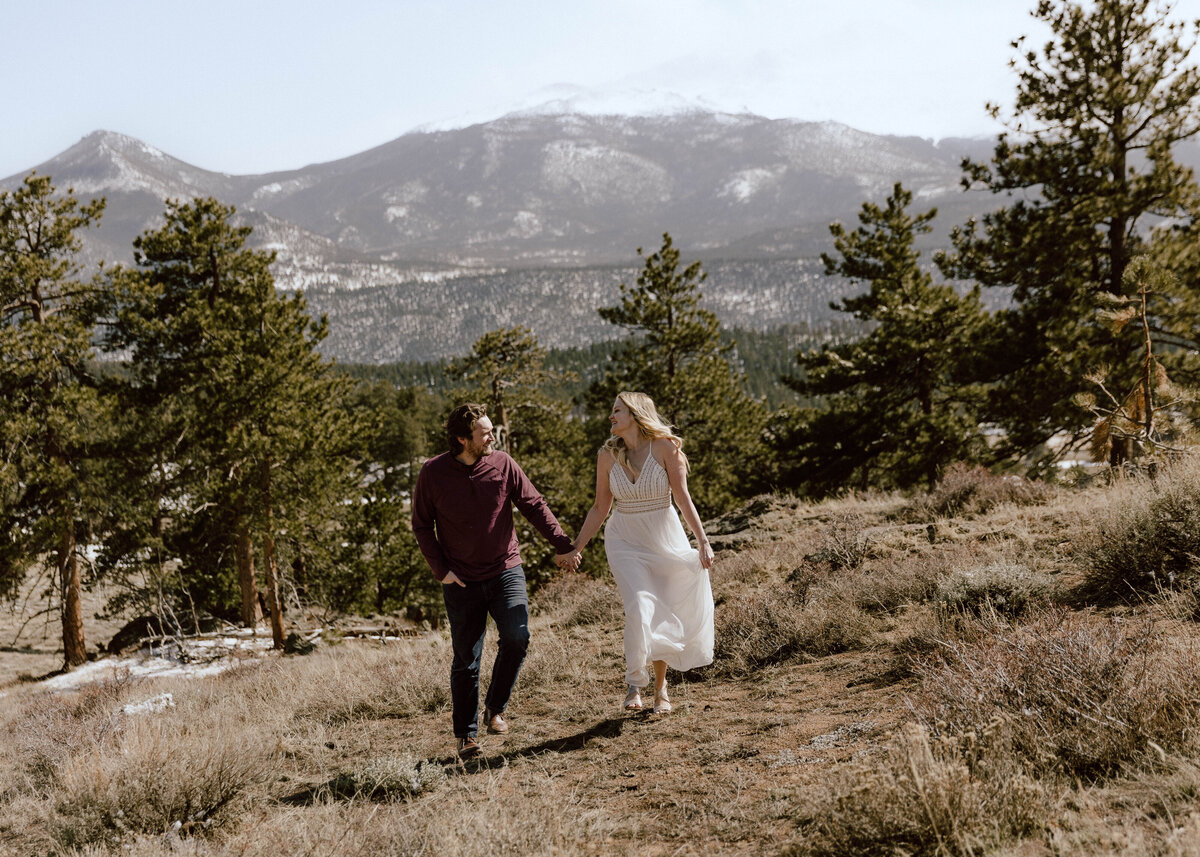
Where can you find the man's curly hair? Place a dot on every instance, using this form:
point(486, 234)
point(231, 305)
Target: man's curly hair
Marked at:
point(461, 423)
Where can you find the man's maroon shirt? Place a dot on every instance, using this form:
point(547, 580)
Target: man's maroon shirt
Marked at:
point(462, 516)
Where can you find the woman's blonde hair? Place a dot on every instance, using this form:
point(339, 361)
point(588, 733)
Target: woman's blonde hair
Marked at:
point(650, 425)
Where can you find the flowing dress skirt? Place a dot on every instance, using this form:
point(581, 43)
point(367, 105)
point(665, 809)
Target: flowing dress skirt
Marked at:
point(666, 592)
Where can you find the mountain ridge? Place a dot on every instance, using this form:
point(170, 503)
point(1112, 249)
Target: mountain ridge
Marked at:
point(544, 188)
point(374, 238)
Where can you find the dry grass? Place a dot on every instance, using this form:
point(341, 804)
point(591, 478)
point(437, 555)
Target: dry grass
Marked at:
point(1070, 693)
point(886, 683)
point(919, 798)
point(354, 685)
point(106, 775)
point(771, 627)
point(579, 600)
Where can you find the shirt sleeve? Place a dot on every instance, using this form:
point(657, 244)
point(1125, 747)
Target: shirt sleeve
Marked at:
point(533, 506)
point(423, 519)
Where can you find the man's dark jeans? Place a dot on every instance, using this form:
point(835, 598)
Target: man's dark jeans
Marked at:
point(503, 597)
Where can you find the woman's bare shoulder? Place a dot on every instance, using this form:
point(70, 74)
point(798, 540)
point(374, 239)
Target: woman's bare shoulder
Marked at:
point(665, 449)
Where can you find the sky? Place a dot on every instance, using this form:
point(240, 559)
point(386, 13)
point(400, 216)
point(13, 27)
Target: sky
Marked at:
point(255, 86)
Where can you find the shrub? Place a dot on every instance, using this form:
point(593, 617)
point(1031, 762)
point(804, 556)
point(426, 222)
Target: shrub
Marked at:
point(929, 628)
point(775, 625)
point(922, 798)
point(843, 544)
point(1070, 693)
point(888, 584)
point(967, 491)
point(1007, 588)
point(1147, 538)
point(391, 778)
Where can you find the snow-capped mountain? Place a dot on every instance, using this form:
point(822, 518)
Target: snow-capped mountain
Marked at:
point(547, 186)
point(569, 99)
point(565, 182)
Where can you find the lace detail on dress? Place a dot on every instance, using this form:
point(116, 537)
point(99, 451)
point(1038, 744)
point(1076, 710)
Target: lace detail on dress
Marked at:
point(650, 493)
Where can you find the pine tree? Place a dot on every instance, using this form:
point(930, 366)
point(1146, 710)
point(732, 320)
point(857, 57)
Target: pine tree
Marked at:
point(51, 402)
point(237, 400)
point(377, 565)
point(674, 354)
point(507, 371)
point(508, 367)
point(899, 404)
point(1174, 319)
point(1097, 113)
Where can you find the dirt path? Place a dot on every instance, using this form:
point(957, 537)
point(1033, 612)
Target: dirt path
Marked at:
point(727, 771)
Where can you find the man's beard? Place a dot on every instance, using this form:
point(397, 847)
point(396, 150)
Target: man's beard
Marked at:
point(479, 450)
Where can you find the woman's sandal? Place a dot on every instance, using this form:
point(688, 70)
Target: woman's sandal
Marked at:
point(633, 699)
point(662, 704)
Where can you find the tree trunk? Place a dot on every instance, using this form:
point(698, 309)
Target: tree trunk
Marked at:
point(274, 602)
point(245, 565)
point(74, 646)
point(502, 439)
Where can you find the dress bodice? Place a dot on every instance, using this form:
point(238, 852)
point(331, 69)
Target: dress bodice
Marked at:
point(651, 491)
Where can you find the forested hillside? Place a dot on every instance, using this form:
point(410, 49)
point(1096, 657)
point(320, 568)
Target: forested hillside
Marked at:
point(175, 428)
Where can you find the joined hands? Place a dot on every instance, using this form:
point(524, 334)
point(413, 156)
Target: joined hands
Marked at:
point(569, 561)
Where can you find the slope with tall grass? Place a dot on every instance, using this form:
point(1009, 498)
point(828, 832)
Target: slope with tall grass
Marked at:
point(894, 675)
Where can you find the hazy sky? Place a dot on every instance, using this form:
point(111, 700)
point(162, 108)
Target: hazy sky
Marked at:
point(248, 86)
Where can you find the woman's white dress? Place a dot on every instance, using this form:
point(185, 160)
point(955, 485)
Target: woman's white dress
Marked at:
point(666, 591)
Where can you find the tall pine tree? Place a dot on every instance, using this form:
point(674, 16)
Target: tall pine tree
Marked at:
point(51, 406)
point(674, 354)
point(507, 371)
point(899, 404)
point(1097, 113)
point(235, 398)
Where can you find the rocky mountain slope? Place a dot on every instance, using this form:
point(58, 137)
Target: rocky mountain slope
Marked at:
point(489, 206)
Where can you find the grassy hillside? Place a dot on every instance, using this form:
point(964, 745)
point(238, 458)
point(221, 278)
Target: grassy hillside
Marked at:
point(993, 668)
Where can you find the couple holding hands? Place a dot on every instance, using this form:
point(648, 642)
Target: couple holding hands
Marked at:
point(462, 518)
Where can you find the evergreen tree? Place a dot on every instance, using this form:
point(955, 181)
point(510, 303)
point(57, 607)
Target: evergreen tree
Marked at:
point(505, 359)
point(377, 565)
point(51, 403)
point(674, 354)
point(898, 405)
point(238, 406)
point(1097, 113)
point(507, 371)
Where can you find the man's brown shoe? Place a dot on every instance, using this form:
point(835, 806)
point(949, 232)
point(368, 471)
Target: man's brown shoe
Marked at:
point(468, 748)
point(495, 723)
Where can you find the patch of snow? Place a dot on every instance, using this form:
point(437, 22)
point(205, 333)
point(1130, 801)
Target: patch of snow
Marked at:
point(188, 658)
point(275, 188)
point(152, 152)
point(526, 224)
point(747, 183)
point(565, 99)
point(153, 705)
point(932, 191)
point(568, 99)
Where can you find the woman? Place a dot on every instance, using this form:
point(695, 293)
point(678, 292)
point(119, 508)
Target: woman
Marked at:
point(663, 581)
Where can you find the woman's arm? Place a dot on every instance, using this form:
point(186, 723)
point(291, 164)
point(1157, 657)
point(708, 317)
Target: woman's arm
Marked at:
point(602, 505)
point(673, 462)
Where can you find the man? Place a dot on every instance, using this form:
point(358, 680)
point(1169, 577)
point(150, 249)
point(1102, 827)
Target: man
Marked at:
point(462, 518)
